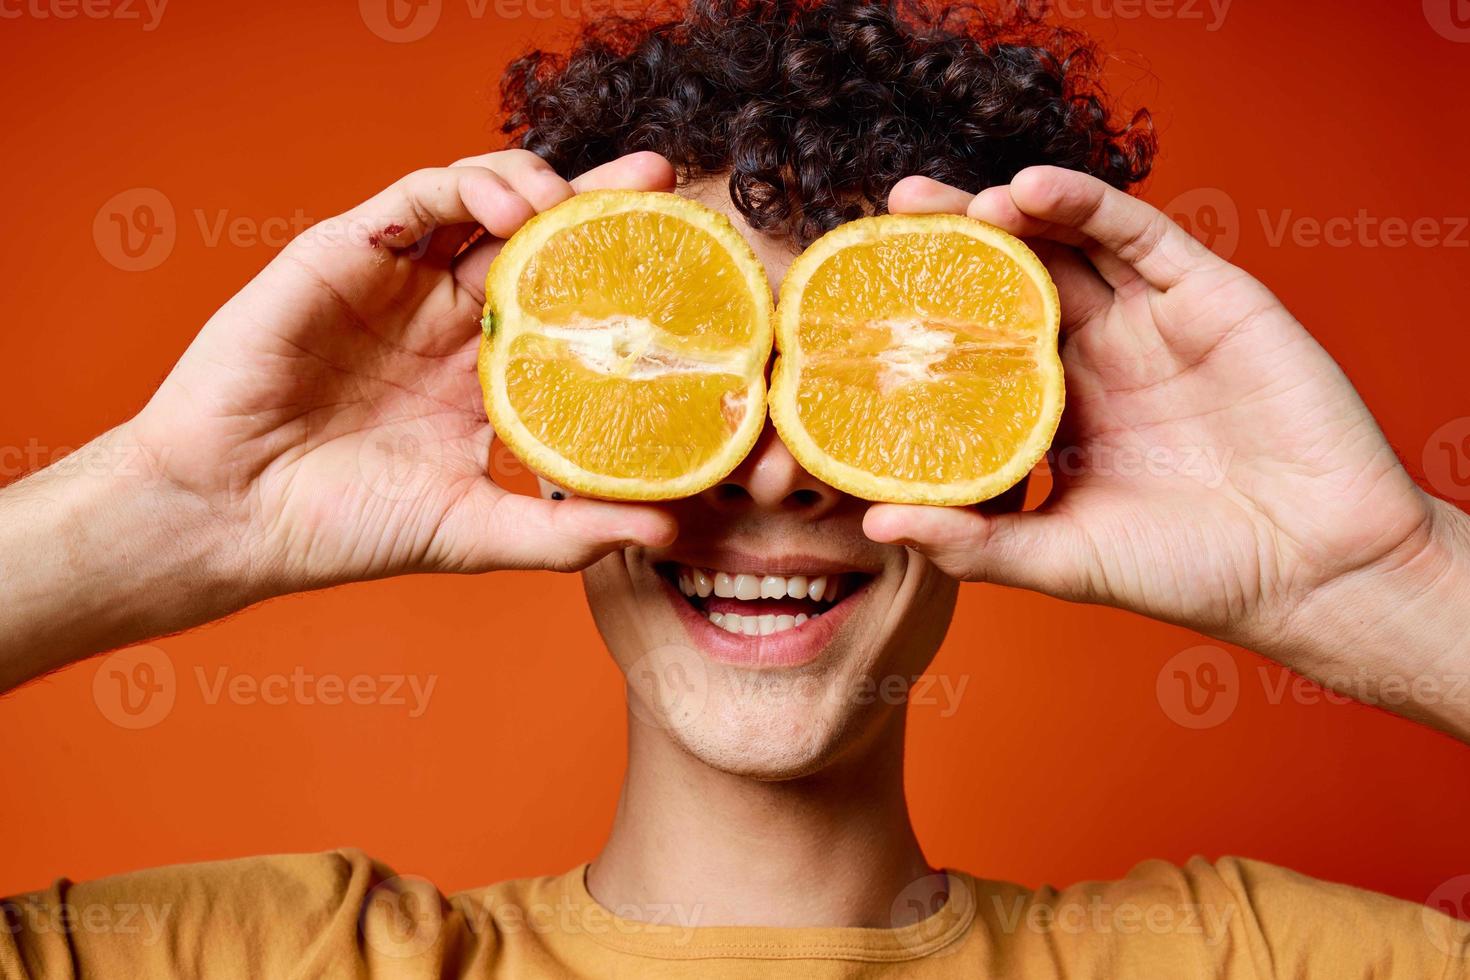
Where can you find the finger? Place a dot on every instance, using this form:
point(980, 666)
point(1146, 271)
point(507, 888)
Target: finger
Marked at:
point(442, 197)
point(1067, 202)
point(924, 195)
point(491, 529)
point(641, 171)
point(473, 264)
point(996, 206)
point(1083, 292)
point(1036, 551)
point(644, 171)
point(527, 174)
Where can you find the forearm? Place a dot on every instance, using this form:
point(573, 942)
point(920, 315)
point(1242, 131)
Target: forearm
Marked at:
point(98, 552)
point(1397, 634)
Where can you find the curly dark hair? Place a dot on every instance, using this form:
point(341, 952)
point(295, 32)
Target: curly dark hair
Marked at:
point(816, 108)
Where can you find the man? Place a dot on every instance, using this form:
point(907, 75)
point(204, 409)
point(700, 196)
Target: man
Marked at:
point(762, 829)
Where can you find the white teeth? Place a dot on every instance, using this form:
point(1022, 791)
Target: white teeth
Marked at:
point(748, 587)
point(765, 625)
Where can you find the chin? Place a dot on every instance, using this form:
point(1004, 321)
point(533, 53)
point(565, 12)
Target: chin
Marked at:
point(767, 664)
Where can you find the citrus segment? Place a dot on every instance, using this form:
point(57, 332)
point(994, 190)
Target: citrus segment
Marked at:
point(627, 338)
point(918, 359)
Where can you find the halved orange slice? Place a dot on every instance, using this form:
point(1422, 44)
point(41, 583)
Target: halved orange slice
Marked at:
point(625, 348)
point(917, 359)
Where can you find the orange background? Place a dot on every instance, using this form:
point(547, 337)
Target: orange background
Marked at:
point(1061, 762)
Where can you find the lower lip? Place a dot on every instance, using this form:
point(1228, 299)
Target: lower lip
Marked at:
point(789, 648)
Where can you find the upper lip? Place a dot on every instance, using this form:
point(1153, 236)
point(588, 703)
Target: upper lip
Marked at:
point(786, 563)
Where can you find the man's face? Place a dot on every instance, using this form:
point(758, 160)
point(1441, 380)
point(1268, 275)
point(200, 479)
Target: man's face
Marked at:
point(773, 634)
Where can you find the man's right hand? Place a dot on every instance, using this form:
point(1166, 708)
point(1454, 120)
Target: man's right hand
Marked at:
point(331, 413)
point(326, 426)
point(1214, 467)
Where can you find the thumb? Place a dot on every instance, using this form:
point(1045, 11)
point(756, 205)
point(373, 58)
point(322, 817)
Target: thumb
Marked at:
point(1036, 551)
point(491, 529)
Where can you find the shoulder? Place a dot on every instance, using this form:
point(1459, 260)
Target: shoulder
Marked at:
point(1229, 918)
point(260, 915)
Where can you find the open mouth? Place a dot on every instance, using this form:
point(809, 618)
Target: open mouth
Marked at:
point(758, 604)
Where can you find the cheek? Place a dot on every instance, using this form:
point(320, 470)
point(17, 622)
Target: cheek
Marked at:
point(610, 597)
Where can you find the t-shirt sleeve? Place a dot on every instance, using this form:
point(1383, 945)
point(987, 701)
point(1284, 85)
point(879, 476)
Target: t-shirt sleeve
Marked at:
point(1301, 927)
point(334, 914)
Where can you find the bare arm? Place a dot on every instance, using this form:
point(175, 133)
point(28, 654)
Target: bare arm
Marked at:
point(324, 427)
point(1214, 468)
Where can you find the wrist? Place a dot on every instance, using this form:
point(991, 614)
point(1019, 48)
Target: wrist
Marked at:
point(99, 551)
point(1396, 632)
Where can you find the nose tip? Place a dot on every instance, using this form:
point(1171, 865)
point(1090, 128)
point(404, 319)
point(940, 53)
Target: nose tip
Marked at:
point(771, 479)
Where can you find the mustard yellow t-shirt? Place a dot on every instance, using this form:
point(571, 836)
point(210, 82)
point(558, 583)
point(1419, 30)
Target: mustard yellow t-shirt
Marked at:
point(341, 914)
